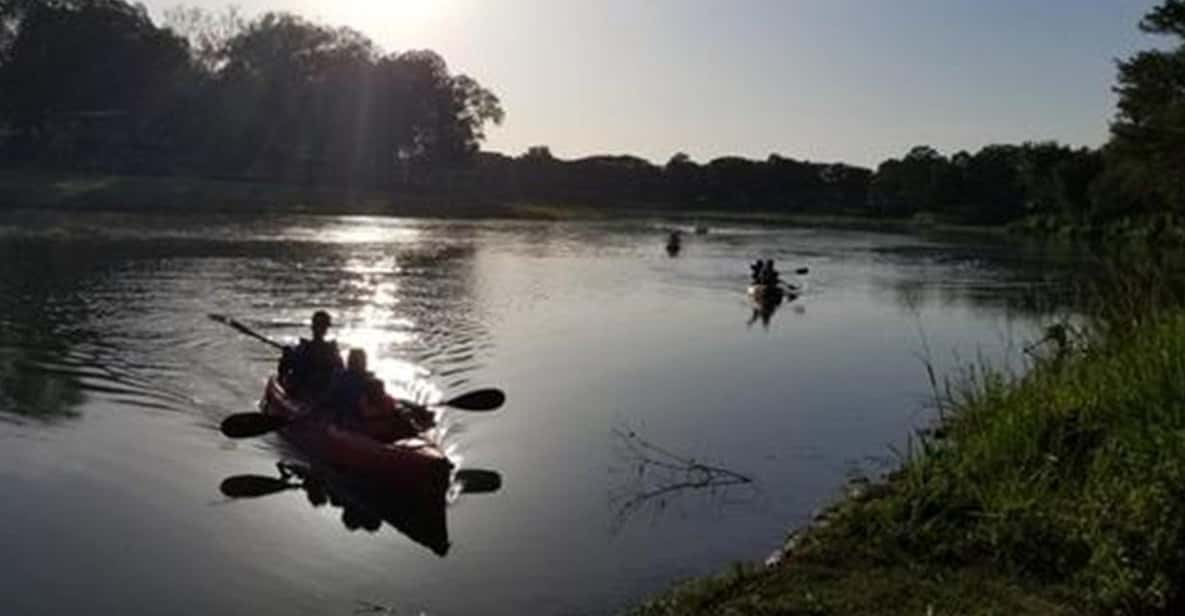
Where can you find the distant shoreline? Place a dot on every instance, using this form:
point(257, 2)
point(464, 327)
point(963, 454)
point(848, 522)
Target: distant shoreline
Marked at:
point(35, 190)
point(178, 194)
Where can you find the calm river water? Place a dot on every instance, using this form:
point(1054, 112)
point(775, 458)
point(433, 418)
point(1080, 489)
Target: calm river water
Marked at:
point(113, 382)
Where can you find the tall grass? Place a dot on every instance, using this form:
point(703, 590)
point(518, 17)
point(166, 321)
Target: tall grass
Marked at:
point(1073, 474)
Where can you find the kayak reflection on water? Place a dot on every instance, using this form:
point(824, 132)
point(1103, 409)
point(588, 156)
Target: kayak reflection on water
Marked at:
point(364, 505)
point(766, 300)
point(764, 311)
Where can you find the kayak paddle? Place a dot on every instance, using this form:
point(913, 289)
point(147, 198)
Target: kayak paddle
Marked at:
point(229, 322)
point(479, 481)
point(480, 400)
point(802, 271)
point(247, 425)
point(253, 486)
point(472, 480)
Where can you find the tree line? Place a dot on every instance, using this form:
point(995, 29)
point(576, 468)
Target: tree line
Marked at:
point(96, 84)
point(1136, 178)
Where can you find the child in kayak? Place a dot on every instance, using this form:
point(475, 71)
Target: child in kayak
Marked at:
point(349, 391)
point(359, 402)
point(309, 370)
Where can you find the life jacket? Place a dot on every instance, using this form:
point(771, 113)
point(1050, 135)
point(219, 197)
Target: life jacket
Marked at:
point(310, 369)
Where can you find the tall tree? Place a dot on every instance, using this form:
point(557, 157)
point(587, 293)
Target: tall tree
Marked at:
point(917, 182)
point(301, 101)
point(209, 34)
point(87, 56)
point(1147, 150)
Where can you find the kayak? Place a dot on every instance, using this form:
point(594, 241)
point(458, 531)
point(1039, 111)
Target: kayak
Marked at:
point(405, 465)
point(766, 294)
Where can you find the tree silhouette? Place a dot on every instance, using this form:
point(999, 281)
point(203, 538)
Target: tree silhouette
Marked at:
point(277, 97)
point(1147, 149)
point(87, 59)
point(96, 85)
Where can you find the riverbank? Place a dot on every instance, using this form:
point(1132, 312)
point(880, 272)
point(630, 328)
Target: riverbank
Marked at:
point(1059, 492)
point(1166, 229)
point(708, 217)
point(34, 189)
point(95, 192)
point(72, 191)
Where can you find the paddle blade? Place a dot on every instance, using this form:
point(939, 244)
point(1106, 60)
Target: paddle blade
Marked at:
point(252, 486)
point(802, 271)
point(480, 400)
point(247, 425)
point(474, 481)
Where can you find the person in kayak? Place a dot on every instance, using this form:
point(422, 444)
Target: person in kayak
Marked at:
point(309, 370)
point(770, 275)
point(358, 401)
point(350, 389)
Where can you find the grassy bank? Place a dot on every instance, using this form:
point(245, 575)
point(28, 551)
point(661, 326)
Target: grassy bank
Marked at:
point(43, 190)
point(1159, 229)
point(31, 189)
point(1059, 492)
point(25, 189)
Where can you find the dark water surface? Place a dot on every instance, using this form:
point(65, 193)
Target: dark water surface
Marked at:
point(113, 382)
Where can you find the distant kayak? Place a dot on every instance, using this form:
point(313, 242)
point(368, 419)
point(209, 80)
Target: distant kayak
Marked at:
point(407, 465)
point(767, 294)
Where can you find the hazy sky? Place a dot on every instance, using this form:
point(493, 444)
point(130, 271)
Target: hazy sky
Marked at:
point(851, 80)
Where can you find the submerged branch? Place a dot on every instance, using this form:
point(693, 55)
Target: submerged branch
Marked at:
point(660, 474)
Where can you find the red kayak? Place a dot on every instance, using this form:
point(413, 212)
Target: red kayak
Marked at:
point(405, 465)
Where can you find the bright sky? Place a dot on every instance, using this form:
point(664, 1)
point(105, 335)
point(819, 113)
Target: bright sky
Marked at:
point(824, 80)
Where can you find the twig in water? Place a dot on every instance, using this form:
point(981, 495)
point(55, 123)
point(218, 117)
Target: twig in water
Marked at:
point(659, 474)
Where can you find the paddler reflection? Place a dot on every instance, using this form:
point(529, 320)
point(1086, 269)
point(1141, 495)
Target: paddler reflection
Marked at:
point(366, 506)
